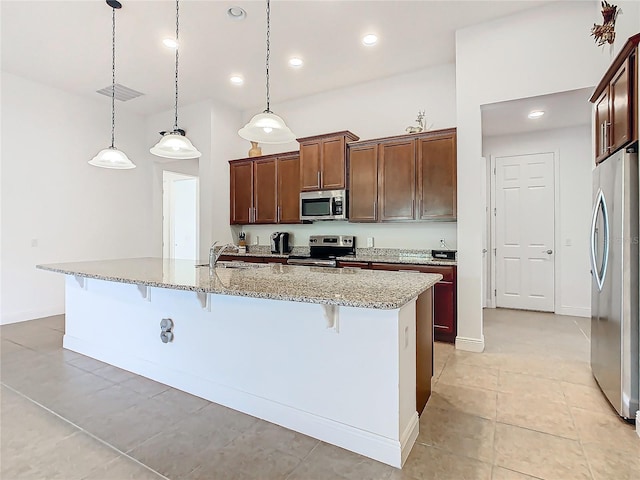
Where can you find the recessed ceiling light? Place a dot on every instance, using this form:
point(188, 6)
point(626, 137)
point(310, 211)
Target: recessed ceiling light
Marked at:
point(170, 43)
point(535, 114)
point(236, 79)
point(236, 13)
point(296, 62)
point(370, 39)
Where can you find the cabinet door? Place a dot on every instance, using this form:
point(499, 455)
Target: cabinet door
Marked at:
point(310, 166)
point(363, 183)
point(397, 181)
point(602, 125)
point(333, 164)
point(436, 165)
point(289, 190)
point(241, 211)
point(619, 133)
point(264, 191)
point(444, 309)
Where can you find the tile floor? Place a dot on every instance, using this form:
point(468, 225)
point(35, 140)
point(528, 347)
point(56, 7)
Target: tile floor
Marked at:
point(527, 408)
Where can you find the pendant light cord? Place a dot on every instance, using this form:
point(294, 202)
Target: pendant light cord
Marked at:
point(113, 77)
point(175, 125)
point(268, 110)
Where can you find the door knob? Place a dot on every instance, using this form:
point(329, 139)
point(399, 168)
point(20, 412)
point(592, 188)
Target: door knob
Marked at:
point(548, 252)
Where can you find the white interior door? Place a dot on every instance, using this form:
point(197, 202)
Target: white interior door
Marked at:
point(180, 216)
point(525, 254)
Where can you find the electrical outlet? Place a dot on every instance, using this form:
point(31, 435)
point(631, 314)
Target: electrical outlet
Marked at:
point(369, 241)
point(256, 240)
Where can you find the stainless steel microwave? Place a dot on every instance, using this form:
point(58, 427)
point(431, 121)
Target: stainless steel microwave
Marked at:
point(323, 205)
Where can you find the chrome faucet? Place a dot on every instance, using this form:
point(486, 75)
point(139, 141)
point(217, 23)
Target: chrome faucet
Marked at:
point(213, 256)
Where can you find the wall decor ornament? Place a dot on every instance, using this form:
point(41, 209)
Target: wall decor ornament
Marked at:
point(605, 33)
point(255, 150)
point(422, 124)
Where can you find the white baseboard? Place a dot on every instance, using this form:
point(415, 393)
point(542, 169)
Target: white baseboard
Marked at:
point(470, 344)
point(409, 437)
point(574, 311)
point(15, 317)
point(378, 447)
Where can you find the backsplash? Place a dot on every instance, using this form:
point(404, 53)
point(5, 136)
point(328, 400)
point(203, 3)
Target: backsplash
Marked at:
point(405, 236)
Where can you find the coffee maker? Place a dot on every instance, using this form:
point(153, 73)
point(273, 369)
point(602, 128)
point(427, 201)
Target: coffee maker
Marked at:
point(280, 243)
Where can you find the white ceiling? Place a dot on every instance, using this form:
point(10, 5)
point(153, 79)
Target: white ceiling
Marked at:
point(563, 109)
point(67, 44)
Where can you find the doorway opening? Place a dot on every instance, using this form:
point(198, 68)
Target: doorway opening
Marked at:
point(180, 215)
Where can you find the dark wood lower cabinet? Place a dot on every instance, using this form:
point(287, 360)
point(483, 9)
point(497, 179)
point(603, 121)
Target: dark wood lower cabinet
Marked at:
point(424, 348)
point(444, 301)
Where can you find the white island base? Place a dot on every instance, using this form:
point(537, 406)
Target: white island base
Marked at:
point(340, 374)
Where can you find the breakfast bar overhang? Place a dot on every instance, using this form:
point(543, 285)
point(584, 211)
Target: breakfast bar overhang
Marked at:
point(331, 353)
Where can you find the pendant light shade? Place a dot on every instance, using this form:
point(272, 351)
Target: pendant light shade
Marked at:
point(267, 127)
point(111, 157)
point(175, 144)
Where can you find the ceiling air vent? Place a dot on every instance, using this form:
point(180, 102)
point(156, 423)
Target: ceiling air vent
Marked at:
point(122, 93)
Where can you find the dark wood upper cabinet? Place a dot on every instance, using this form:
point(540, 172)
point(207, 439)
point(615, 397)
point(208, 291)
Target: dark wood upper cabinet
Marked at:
point(397, 180)
point(332, 175)
point(310, 166)
point(289, 189)
point(265, 191)
point(241, 177)
point(363, 183)
point(615, 102)
point(323, 161)
point(620, 120)
point(437, 177)
point(416, 178)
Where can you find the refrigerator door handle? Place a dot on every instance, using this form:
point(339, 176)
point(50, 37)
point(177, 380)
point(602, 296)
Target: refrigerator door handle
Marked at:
point(600, 273)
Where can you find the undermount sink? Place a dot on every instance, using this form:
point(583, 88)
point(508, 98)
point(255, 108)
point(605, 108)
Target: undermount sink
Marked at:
point(244, 265)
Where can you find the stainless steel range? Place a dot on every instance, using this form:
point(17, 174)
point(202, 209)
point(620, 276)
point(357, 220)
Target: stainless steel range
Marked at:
point(323, 250)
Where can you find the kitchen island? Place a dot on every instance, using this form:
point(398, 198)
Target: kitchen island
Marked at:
point(342, 355)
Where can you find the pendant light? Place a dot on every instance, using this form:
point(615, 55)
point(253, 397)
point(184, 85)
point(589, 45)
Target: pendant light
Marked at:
point(175, 144)
point(267, 127)
point(111, 157)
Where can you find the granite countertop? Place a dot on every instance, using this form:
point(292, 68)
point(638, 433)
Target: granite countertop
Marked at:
point(332, 286)
point(381, 255)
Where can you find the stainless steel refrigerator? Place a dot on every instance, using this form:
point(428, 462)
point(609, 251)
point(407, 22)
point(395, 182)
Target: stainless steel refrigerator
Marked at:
point(615, 360)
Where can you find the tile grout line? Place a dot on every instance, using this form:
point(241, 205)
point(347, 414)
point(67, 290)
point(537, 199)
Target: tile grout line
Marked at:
point(584, 452)
point(582, 331)
point(83, 430)
point(303, 459)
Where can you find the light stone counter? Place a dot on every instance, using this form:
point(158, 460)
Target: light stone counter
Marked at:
point(329, 286)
